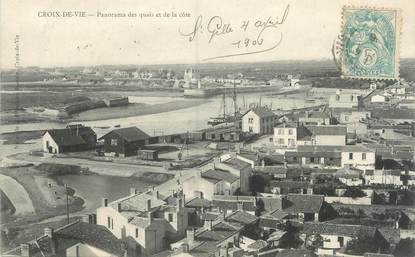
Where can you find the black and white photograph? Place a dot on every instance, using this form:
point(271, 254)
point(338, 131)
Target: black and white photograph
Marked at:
point(207, 128)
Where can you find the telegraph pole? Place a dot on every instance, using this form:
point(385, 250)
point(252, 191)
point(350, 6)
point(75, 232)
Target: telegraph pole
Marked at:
point(67, 203)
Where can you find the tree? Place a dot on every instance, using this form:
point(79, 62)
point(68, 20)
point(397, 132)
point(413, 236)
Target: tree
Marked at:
point(354, 192)
point(314, 242)
point(257, 184)
point(362, 244)
point(405, 248)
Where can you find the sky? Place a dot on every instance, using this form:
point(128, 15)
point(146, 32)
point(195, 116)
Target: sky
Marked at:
point(306, 33)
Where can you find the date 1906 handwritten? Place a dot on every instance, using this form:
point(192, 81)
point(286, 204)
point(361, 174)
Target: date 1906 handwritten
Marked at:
point(251, 36)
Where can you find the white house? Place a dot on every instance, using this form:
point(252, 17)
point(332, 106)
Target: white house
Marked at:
point(358, 156)
point(345, 100)
point(285, 135)
point(354, 116)
point(379, 98)
point(148, 218)
point(290, 135)
point(337, 236)
point(211, 182)
point(385, 177)
point(259, 120)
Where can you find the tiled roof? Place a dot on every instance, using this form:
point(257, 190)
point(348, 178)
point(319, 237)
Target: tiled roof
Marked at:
point(329, 130)
point(236, 163)
point(348, 172)
point(78, 232)
point(211, 215)
point(242, 217)
point(271, 203)
point(290, 184)
point(377, 255)
point(137, 203)
point(220, 175)
point(314, 114)
point(130, 134)
point(333, 148)
point(268, 221)
point(263, 112)
point(338, 229)
point(303, 203)
point(70, 136)
point(199, 202)
point(296, 253)
point(232, 204)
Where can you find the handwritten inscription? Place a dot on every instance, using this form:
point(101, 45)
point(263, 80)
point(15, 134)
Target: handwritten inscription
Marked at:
point(250, 34)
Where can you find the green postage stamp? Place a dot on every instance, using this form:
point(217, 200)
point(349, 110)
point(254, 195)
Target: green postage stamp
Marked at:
point(370, 43)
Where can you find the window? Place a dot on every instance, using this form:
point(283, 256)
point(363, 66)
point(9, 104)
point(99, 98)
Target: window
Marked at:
point(250, 120)
point(250, 129)
point(77, 251)
point(312, 159)
point(346, 118)
point(109, 222)
point(114, 142)
point(170, 217)
point(112, 223)
point(136, 233)
point(363, 156)
point(281, 131)
point(337, 97)
point(213, 136)
point(350, 156)
point(281, 141)
point(351, 98)
point(290, 132)
point(341, 241)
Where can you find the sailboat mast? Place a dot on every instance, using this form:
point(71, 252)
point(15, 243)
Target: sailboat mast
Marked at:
point(224, 104)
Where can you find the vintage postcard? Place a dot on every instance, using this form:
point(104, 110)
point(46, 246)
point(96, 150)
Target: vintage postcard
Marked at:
point(207, 128)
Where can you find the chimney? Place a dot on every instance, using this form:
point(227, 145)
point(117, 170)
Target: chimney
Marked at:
point(208, 224)
point(185, 248)
point(240, 206)
point(133, 191)
point(150, 217)
point(25, 250)
point(156, 194)
point(119, 207)
point(148, 205)
point(179, 203)
point(48, 232)
point(191, 235)
point(104, 202)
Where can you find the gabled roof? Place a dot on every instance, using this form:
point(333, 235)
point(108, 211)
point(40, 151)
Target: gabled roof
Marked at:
point(70, 136)
point(220, 175)
point(67, 236)
point(262, 112)
point(304, 203)
point(333, 148)
point(338, 229)
point(236, 163)
point(328, 130)
point(296, 253)
point(241, 217)
point(130, 134)
point(290, 184)
point(199, 203)
point(348, 172)
point(314, 114)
